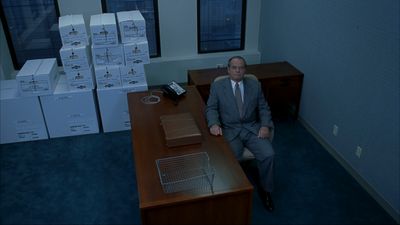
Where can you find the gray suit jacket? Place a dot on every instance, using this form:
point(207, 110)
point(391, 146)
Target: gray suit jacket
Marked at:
point(221, 108)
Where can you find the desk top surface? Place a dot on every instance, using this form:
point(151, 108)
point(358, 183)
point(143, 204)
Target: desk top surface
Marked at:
point(149, 145)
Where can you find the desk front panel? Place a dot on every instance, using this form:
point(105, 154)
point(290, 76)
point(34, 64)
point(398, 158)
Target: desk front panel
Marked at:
point(149, 145)
point(222, 209)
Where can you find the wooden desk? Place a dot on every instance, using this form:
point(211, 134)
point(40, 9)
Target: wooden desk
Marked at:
point(281, 83)
point(230, 202)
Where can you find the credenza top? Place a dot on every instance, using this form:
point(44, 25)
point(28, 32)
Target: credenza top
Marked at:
point(262, 71)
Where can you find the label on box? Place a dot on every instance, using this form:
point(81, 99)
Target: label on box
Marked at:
point(132, 26)
point(103, 38)
point(77, 128)
point(108, 55)
point(81, 85)
point(26, 130)
point(136, 53)
point(74, 59)
point(27, 135)
point(34, 85)
point(107, 77)
point(79, 124)
point(104, 35)
point(73, 38)
point(80, 80)
point(133, 75)
point(131, 30)
point(63, 97)
point(72, 30)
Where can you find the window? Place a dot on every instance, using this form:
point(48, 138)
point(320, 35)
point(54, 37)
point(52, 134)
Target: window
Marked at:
point(31, 29)
point(149, 10)
point(220, 25)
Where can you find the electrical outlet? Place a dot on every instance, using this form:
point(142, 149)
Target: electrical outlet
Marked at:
point(335, 130)
point(358, 151)
point(220, 65)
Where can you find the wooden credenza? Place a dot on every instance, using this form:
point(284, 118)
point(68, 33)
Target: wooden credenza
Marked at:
point(281, 83)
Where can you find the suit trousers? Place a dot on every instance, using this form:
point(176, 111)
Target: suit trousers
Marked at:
point(263, 152)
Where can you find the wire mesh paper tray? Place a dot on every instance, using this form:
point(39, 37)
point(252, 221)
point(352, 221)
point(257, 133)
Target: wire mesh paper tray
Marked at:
point(186, 172)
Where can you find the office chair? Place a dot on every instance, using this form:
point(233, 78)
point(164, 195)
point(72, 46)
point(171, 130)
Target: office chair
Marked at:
point(247, 155)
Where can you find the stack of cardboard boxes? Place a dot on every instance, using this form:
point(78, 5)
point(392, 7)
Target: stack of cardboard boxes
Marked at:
point(21, 112)
point(71, 109)
point(107, 53)
point(70, 112)
point(132, 28)
point(75, 53)
point(119, 67)
point(40, 103)
point(21, 117)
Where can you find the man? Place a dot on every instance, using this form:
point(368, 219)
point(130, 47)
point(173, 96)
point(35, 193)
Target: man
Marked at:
point(237, 110)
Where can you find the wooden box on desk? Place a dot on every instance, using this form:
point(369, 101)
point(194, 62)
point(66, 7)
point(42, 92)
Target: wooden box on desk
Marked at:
point(180, 129)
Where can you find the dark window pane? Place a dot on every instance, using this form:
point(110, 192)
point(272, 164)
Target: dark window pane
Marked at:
point(221, 25)
point(31, 28)
point(149, 10)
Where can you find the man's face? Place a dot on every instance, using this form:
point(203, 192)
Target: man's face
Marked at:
point(236, 70)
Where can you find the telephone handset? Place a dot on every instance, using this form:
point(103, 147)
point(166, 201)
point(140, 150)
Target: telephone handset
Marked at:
point(173, 90)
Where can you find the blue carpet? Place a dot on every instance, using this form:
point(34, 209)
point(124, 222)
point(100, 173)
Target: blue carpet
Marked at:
point(86, 179)
point(90, 179)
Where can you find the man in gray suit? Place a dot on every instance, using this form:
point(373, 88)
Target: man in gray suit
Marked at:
point(237, 110)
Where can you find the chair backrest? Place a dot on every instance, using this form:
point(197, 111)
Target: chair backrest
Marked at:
point(247, 155)
point(246, 75)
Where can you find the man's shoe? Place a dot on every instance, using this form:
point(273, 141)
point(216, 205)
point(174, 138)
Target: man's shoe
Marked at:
point(267, 201)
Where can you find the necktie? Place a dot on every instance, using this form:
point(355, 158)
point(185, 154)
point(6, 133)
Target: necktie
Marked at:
point(238, 97)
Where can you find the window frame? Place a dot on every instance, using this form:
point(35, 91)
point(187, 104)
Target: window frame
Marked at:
point(8, 36)
point(242, 31)
point(156, 25)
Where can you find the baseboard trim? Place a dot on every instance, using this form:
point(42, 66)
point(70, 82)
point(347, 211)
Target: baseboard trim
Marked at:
point(381, 201)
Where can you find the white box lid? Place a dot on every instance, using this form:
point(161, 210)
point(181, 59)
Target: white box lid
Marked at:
point(69, 20)
point(102, 19)
point(46, 67)
point(29, 68)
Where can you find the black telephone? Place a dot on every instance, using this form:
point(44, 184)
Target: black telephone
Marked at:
point(173, 90)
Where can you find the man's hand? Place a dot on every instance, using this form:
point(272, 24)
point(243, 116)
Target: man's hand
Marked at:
point(215, 130)
point(264, 132)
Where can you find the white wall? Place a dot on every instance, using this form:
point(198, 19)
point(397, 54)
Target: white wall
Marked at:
point(178, 37)
point(178, 34)
point(349, 54)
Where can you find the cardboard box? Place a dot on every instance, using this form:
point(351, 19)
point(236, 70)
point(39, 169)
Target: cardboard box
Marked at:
point(81, 79)
point(37, 77)
point(132, 26)
point(180, 129)
point(70, 113)
point(73, 31)
point(75, 58)
point(137, 53)
point(113, 105)
point(108, 55)
point(21, 118)
point(103, 29)
point(133, 75)
point(108, 76)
